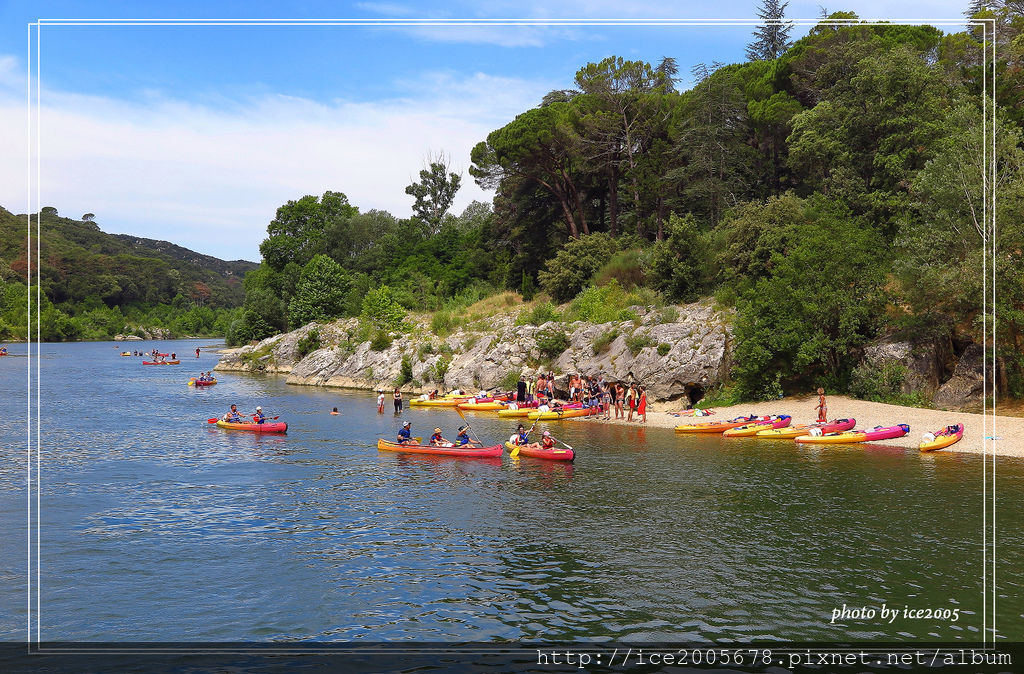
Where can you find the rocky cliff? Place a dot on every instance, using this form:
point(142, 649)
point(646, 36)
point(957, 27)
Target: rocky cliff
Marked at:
point(673, 358)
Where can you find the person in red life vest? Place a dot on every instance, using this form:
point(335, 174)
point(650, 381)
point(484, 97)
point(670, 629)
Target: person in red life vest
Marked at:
point(258, 417)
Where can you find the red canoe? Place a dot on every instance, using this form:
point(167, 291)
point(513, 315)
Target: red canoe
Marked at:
point(446, 451)
point(275, 427)
point(553, 454)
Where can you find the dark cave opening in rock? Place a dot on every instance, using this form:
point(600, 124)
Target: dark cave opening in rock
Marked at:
point(694, 393)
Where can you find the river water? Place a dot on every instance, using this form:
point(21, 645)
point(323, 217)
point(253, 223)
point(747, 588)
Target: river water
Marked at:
point(157, 526)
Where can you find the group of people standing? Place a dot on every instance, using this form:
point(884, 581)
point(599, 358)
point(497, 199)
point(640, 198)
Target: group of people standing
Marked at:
point(624, 400)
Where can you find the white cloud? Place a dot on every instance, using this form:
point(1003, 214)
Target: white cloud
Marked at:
point(210, 178)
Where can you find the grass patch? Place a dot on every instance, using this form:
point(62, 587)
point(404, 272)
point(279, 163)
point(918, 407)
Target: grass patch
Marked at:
point(510, 380)
point(664, 348)
point(604, 341)
point(381, 341)
point(637, 343)
point(552, 342)
point(541, 313)
point(309, 343)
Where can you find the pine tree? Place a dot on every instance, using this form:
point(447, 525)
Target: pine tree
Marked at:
point(771, 39)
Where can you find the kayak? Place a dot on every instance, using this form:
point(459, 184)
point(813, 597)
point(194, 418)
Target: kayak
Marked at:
point(123, 354)
point(780, 421)
point(554, 454)
point(716, 426)
point(791, 432)
point(269, 427)
point(876, 433)
point(562, 414)
point(161, 362)
point(481, 407)
point(445, 451)
point(438, 402)
point(197, 382)
point(521, 410)
point(942, 438)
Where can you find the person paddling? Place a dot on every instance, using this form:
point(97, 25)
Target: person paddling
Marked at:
point(405, 434)
point(522, 436)
point(232, 415)
point(463, 437)
point(437, 440)
point(258, 418)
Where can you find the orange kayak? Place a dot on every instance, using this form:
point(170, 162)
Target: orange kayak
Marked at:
point(942, 438)
point(716, 426)
point(780, 421)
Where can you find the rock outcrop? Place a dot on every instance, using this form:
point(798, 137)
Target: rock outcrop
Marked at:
point(684, 357)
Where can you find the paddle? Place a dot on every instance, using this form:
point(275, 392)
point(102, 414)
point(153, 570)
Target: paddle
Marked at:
point(515, 450)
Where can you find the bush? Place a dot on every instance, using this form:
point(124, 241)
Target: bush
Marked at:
point(636, 343)
point(381, 309)
point(425, 350)
point(575, 264)
point(552, 342)
point(675, 265)
point(625, 267)
point(405, 374)
point(539, 315)
point(664, 348)
point(309, 343)
point(445, 323)
point(878, 383)
point(381, 341)
point(439, 370)
point(604, 340)
point(669, 315)
point(510, 380)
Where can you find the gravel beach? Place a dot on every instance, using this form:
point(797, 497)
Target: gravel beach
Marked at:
point(1008, 431)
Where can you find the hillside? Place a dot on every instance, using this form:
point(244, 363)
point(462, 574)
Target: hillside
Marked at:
point(81, 262)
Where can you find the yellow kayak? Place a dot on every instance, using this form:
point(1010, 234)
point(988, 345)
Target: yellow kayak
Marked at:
point(521, 412)
point(562, 414)
point(833, 438)
point(437, 402)
point(780, 421)
point(943, 438)
point(481, 407)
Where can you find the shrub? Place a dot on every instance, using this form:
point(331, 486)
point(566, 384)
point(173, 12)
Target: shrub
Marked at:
point(381, 341)
point(604, 340)
point(439, 369)
point(309, 343)
point(381, 309)
point(664, 348)
point(443, 323)
point(669, 315)
point(405, 373)
point(425, 350)
point(625, 267)
point(552, 342)
point(509, 381)
point(539, 315)
point(878, 383)
point(636, 343)
point(575, 264)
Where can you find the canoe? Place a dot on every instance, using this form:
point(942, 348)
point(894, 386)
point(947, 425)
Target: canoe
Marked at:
point(554, 454)
point(521, 410)
point(876, 433)
point(942, 438)
point(437, 402)
point(715, 426)
point(444, 451)
point(780, 421)
point(562, 414)
point(791, 432)
point(196, 382)
point(269, 427)
point(481, 407)
point(161, 362)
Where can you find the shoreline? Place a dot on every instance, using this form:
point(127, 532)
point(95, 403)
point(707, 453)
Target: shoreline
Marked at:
point(1008, 431)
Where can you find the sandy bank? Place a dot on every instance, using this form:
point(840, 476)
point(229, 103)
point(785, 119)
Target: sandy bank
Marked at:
point(1008, 431)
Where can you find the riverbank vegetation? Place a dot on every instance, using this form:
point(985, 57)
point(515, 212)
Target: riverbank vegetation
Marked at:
point(829, 190)
point(94, 285)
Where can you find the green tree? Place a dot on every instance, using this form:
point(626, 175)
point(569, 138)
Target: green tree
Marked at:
point(320, 294)
point(771, 39)
point(381, 309)
point(298, 230)
point(575, 264)
point(676, 265)
point(435, 192)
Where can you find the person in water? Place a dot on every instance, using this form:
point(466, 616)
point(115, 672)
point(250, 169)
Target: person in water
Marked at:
point(463, 437)
point(232, 415)
point(258, 418)
point(437, 440)
point(405, 434)
point(197, 352)
point(335, 411)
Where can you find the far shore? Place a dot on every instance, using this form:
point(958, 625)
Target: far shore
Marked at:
point(1007, 431)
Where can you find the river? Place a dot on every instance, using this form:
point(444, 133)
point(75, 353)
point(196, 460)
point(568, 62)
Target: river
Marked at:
point(156, 526)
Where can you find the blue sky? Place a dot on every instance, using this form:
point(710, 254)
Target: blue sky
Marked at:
point(195, 134)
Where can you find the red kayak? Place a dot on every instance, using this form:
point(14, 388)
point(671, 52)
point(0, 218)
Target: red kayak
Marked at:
point(469, 451)
point(553, 454)
point(160, 362)
point(275, 427)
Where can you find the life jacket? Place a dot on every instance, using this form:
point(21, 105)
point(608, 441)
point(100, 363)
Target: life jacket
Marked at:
point(436, 438)
point(523, 438)
point(548, 442)
point(462, 439)
point(404, 434)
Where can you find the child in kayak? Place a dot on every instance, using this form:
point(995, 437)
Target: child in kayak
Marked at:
point(522, 437)
point(405, 434)
point(463, 437)
point(258, 418)
point(437, 440)
point(547, 442)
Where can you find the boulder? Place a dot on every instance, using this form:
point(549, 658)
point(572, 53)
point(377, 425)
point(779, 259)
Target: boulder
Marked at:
point(970, 382)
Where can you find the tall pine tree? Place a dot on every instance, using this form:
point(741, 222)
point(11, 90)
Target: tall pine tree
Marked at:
point(771, 39)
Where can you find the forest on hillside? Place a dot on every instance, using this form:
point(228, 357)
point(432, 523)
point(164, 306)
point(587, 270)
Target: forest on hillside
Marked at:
point(95, 285)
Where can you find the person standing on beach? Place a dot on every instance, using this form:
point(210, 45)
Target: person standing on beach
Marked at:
point(620, 396)
point(631, 401)
point(398, 400)
point(641, 408)
point(822, 408)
